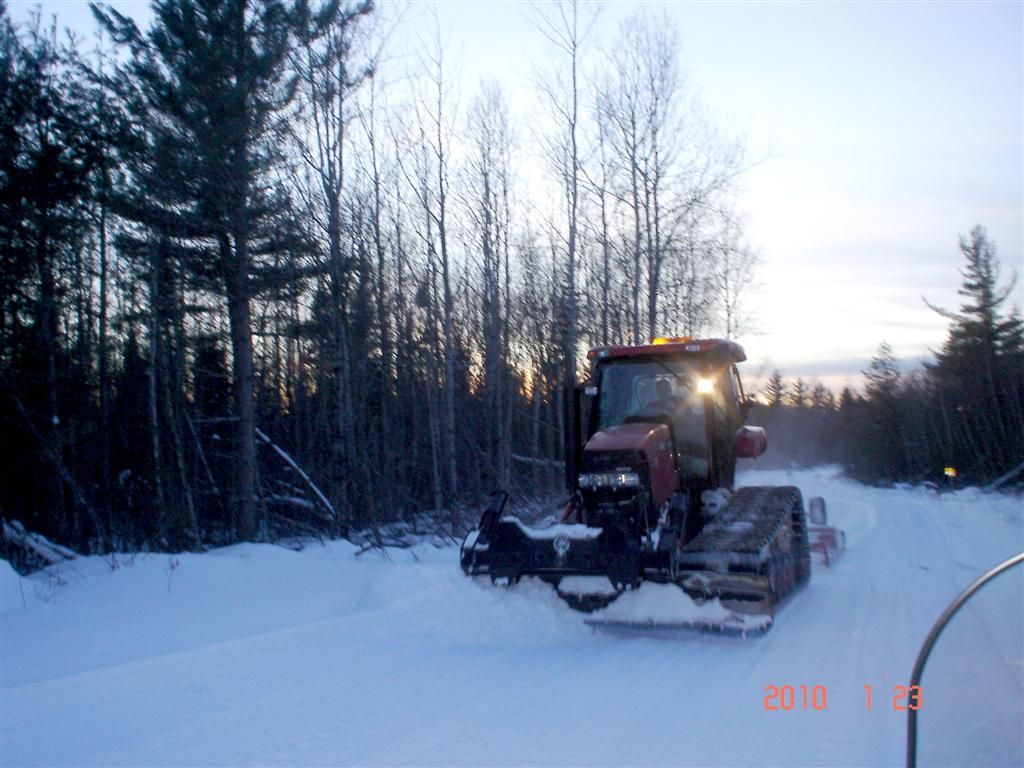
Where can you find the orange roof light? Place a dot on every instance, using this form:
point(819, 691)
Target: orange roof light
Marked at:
point(675, 345)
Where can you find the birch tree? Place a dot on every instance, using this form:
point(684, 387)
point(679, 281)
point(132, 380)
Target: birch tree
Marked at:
point(329, 78)
point(490, 171)
point(564, 29)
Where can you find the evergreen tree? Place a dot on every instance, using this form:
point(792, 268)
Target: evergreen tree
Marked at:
point(980, 369)
point(775, 389)
point(798, 398)
point(880, 433)
point(980, 334)
point(211, 94)
point(882, 377)
point(48, 149)
point(821, 398)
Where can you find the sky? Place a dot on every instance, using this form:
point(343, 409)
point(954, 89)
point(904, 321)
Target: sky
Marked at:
point(883, 132)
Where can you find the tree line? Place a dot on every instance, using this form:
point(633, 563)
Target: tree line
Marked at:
point(958, 419)
point(257, 280)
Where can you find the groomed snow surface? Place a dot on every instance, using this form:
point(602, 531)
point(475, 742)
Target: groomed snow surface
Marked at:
point(257, 655)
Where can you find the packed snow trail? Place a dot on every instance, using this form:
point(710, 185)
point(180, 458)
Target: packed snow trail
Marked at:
point(258, 655)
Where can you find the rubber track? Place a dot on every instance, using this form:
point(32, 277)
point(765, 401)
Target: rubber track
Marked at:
point(749, 522)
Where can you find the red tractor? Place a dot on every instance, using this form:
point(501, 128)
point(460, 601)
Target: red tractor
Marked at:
point(654, 533)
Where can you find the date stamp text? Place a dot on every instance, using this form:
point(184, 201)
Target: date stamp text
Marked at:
point(787, 698)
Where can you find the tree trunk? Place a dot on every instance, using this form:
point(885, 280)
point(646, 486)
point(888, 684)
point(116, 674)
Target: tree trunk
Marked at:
point(103, 355)
point(451, 454)
point(240, 320)
point(154, 386)
point(574, 182)
point(634, 173)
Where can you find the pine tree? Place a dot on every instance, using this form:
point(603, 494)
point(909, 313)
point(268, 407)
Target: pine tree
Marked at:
point(775, 389)
point(48, 149)
point(880, 432)
point(979, 334)
point(882, 377)
point(821, 398)
point(211, 92)
point(798, 398)
point(980, 368)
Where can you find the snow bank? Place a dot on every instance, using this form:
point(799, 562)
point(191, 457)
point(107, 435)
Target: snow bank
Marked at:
point(14, 593)
point(258, 655)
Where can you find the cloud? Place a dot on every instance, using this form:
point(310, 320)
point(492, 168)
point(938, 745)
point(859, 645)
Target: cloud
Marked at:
point(836, 374)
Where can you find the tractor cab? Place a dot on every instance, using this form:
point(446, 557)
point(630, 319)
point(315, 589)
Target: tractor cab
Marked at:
point(672, 410)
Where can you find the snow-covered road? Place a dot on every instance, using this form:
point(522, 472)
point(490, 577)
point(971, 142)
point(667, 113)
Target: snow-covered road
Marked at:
point(259, 655)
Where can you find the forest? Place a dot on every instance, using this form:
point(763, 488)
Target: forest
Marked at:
point(259, 279)
point(957, 420)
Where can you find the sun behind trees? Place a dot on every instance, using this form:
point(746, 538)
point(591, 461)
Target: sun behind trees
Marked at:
point(258, 281)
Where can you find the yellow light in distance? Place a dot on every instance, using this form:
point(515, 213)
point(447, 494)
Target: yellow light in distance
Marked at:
point(705, 386)
point(949, 472)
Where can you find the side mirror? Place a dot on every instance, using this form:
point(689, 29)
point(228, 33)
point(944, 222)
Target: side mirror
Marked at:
point(750, 442)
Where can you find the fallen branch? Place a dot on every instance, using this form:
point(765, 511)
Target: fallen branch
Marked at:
point(292, 463)
point(538, 462)
point(58, 464)
point(202, 454)
point(1002, 480)
point(35, 545)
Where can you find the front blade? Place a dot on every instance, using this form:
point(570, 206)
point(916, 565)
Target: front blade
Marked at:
point(660, 607)
point(507, 550)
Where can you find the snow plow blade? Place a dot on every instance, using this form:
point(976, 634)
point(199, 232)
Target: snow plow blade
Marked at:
point(506, 549)
point(661, 609)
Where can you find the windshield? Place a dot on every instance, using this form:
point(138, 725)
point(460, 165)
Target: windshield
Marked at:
point(657, 388)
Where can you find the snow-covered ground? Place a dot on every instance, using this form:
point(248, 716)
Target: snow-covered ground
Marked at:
point(260, 655)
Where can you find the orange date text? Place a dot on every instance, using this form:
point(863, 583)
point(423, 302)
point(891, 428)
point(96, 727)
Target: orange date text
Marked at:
point(787, 698)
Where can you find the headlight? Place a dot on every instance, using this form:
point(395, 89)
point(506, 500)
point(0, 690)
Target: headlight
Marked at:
point(610, 480)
